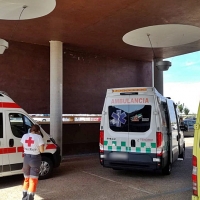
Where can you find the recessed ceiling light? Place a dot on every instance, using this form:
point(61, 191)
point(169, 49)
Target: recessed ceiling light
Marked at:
point(167, 35)
point(3, 46)
point(11, 9)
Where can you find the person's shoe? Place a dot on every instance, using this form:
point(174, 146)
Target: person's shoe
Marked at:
point(24, 197)
point(30, 196)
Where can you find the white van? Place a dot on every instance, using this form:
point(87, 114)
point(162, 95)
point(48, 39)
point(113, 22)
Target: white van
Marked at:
point(14, 123)
point(136, 130)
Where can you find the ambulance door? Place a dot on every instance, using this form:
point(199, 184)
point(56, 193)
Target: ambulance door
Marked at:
point(116, 129)
point(17, 125)
point(4, 160)
point(174, 132)
point(142, 137)
point(1, 143)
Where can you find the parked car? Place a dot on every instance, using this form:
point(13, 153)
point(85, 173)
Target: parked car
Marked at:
point(41, 118)
point(187, 127)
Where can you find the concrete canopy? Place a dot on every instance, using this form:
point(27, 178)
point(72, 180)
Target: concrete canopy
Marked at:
point(99, 26)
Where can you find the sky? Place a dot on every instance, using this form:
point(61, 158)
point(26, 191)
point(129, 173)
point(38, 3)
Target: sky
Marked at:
point(182, 80)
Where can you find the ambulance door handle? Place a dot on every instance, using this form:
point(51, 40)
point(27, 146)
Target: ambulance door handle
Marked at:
point(11, 143)
point(133, 143)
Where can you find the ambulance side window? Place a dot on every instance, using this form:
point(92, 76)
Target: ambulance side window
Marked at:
point(163, 114)
point(166, 113)
point(172, 114)
point(20, 124)
point(28, 123)
point(1, 125)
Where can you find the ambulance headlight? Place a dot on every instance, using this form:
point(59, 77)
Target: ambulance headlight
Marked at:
point(52, 140)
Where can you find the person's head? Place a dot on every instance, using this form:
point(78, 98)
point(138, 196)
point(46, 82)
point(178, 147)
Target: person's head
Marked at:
point(35, 129)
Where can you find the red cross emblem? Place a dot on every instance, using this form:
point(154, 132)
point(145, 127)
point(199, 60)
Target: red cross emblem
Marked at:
point(29, 141)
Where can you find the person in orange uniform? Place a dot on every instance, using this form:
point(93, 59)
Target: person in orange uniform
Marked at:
point(33, 145)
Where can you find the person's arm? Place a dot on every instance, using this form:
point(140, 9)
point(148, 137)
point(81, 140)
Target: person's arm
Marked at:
point(42, 148)
point(41, 144)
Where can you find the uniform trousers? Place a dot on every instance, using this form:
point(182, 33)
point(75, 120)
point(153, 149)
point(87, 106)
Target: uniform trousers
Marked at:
point(31, 169)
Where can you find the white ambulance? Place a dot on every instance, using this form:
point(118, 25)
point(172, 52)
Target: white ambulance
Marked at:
point(137, 130)
point(14, 122)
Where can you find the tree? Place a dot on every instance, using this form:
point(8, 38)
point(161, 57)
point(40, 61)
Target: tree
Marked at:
point(186, 111)
point(181, 107)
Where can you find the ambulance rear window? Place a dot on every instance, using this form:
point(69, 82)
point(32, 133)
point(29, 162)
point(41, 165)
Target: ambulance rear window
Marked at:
point(129, 118)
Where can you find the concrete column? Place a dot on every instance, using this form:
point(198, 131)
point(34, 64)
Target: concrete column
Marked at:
point(56, 90)
point(157, 77)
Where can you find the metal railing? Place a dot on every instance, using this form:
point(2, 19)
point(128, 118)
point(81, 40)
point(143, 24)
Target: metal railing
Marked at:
point(70, 119)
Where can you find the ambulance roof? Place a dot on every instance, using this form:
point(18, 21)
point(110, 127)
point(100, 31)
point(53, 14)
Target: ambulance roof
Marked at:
point(4, 97)
point(139, 90)
point(133, 90)
point(6, 101)
point(2, 92)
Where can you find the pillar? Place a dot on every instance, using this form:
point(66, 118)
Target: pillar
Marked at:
point(56, 91)
point(157, 77)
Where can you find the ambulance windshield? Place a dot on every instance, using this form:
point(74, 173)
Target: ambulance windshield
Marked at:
point(129, 118)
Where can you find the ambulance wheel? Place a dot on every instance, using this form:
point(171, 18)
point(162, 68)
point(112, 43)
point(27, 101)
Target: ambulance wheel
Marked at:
point(167, 169)
point(116, 168)
point(46, 168)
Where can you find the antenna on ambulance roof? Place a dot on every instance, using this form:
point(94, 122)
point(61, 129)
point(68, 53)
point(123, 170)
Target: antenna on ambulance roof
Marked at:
point(2, 92)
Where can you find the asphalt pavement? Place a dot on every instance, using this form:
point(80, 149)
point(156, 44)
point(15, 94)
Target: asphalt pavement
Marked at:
point(83, 178)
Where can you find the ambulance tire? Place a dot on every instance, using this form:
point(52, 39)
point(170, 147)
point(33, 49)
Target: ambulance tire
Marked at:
point(116, 168)
point(182, 155)
point(167, 169)
point(46, 168)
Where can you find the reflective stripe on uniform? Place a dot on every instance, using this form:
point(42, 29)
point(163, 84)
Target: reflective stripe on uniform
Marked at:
point(26, 183)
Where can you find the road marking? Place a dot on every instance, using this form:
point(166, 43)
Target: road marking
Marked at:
point(141, 190)
point(181, 190)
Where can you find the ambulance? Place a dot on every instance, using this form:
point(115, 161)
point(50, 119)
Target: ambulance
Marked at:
point(14, 123)
point(196, 159)
point(137, 130)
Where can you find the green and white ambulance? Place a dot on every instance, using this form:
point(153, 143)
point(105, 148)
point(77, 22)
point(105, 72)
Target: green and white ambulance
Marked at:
point(137, 130)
